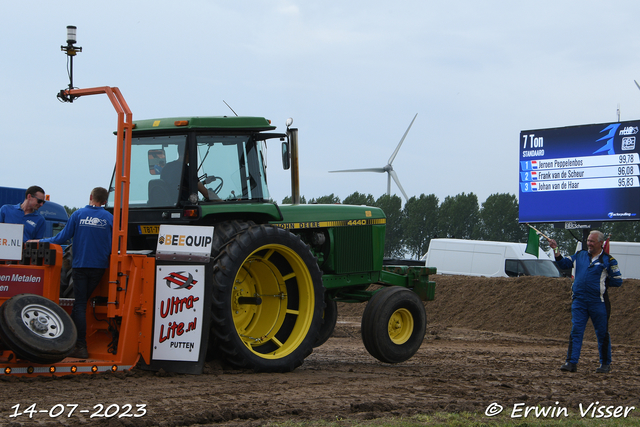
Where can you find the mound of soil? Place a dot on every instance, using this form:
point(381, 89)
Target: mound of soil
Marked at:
point(534, 306)
point(491, 343)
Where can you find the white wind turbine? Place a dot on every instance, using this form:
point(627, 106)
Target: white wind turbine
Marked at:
point(391, 174)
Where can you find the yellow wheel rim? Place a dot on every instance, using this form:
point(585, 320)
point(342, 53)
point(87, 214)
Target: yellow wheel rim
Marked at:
point(400, 326)
point(273, 301)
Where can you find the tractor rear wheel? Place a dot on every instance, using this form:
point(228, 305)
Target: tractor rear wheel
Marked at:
point(329, 320)
point(393, 324)
point(268, 300)
point(37, 329)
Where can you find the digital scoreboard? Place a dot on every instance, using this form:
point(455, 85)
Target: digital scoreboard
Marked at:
point(580, 173)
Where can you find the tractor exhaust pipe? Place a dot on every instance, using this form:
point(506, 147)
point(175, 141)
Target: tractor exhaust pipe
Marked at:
point(295, 172)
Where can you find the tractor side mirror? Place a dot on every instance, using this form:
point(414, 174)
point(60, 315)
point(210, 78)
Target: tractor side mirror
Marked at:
point(286, 155)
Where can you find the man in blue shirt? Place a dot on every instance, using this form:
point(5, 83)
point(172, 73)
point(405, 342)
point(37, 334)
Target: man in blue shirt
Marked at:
point(91, 229)
point(595, 272)
point(26, 213)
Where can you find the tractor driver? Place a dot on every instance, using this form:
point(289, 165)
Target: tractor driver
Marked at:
point(171, 175)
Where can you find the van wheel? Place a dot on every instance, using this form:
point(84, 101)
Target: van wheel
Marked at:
point(393, 324)
point(37, 329)
point(267, 300)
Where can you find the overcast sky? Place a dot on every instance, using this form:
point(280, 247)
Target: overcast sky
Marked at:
point(352, 74)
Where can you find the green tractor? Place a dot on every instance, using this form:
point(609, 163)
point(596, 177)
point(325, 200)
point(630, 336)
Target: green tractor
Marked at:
point(275, 272)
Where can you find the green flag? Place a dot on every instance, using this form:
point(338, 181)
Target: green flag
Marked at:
point(533, 243)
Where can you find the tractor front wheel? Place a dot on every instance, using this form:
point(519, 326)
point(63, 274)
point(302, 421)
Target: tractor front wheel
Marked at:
point(268, 300)
point(393, 324)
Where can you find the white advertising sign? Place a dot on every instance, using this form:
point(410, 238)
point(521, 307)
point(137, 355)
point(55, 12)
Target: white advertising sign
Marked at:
point(186, 242)
point(179, 310)
point(11, 241)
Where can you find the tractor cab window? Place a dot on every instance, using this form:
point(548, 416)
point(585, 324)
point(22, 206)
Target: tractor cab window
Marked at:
point(232, 167)
point(227, 168)
point(156, 172)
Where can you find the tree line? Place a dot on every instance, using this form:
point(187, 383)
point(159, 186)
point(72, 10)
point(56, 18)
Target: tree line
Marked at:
point(411, 227)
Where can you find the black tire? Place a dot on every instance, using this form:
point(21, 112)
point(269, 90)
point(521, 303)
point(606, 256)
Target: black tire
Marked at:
point(393, 324)
point(66, 279)
point(225, 232)
point(37, 329)
point(329, 320)
point(267, 300)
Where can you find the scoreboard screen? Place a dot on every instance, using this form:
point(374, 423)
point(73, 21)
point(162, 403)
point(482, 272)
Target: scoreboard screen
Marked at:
point(580, 173)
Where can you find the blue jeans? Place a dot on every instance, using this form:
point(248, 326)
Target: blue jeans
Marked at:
point(85, 281)
point(599, 313)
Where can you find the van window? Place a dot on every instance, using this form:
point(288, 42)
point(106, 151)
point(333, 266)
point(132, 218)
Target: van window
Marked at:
point(530, 267)
point(513, 268)
point(540, 267)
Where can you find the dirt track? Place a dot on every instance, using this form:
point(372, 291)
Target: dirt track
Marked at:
point(488, 340)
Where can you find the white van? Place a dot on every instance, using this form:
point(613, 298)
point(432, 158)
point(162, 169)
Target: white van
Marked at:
point(486, 258)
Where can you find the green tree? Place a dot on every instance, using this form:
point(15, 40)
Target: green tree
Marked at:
point(458, 216)
point(69, 210)
point(499, 219)
point(623, 231)
point(420, 224)
point(289, 200)
point(331, 199)
point(392, 207)
point(359, 199)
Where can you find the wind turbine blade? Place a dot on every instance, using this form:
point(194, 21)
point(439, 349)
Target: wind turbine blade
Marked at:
point(637, 84)
point(389, 183)
point(393, 156)
point(397, 181)
point(379, 170)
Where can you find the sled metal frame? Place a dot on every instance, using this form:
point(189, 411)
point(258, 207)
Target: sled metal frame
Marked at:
point(128, 284)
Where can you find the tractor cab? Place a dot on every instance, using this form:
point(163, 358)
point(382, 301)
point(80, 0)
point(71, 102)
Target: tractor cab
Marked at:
point(179, 162)
point(183, 169)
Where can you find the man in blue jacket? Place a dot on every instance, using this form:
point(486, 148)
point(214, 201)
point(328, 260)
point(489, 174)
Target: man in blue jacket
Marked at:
point(595, 272)
point(91, 229)
point(26, 213)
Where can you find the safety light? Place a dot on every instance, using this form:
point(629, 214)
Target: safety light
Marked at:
point(7, 370)
point(71, 34)
point(71, 51)
point(94, 369)
point(30, 370)
point(52, 369)
point(190, 213)
point(114, 368)
point(74, 369)
point(181, 123)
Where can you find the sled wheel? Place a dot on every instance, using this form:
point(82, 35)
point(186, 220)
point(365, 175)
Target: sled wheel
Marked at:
point(267, 300)
point(393, 324)
point(329, 319)
point(37, 329)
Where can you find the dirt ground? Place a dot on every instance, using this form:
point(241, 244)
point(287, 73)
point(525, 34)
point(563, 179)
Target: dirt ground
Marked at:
point(490, 344)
